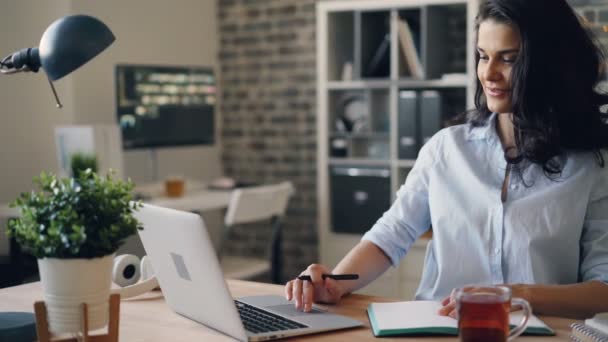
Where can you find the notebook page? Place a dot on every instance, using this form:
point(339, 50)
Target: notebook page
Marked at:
point(423, 314)
point(414, 314)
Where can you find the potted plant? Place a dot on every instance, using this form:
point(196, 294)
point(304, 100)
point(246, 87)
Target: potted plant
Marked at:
point(80, 162)
point(74, 226)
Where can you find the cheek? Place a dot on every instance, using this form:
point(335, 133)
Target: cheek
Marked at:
point(480, 72)
point(507, 76)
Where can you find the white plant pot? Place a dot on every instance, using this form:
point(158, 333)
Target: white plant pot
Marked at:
point(69, 282)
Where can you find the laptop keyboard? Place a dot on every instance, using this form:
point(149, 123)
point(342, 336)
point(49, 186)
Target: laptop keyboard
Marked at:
point(257, 320)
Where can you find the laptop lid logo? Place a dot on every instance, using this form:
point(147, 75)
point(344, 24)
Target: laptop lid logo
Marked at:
point(180, 266)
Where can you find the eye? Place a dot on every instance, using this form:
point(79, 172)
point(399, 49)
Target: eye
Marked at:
point(483, 57)
point(509, 59)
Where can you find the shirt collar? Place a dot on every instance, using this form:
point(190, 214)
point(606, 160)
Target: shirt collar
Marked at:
point(485, 132)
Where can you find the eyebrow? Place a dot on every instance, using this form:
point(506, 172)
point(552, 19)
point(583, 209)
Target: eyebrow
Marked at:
point(502, 52)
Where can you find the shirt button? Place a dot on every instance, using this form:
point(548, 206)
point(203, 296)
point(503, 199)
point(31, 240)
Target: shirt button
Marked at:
point(496, 251)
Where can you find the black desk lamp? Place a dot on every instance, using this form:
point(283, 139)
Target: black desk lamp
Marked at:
point(67, 43)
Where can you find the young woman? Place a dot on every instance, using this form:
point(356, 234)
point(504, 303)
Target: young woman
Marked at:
point(519, 194)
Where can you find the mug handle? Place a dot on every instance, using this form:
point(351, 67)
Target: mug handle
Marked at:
point(524, 321)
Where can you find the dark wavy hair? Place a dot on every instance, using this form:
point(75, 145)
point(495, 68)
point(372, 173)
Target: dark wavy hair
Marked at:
point(556, 107)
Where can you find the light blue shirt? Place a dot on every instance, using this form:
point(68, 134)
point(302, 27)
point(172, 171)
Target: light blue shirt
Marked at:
point(553, 232)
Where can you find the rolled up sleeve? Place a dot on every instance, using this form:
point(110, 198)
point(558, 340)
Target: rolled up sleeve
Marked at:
point(409, 216)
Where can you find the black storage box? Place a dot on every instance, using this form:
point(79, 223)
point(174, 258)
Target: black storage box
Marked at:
point(359, 196)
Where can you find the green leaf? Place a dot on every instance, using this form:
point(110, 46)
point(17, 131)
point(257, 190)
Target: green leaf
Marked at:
point(82, 217)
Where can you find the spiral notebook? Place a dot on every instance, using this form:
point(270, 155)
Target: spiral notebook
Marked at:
point(421, 318)
point(594, 329)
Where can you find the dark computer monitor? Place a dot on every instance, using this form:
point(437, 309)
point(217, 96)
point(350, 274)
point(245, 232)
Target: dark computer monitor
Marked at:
point(165, 105)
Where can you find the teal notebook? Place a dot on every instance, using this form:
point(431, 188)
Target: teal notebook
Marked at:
point(421, 318)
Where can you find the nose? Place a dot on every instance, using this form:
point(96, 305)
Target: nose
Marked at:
point(492, 71)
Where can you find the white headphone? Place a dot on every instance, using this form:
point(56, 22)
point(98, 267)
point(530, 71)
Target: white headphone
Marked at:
point(134, 276)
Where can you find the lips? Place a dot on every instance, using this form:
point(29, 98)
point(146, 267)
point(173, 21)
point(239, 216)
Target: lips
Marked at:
point(496, 92)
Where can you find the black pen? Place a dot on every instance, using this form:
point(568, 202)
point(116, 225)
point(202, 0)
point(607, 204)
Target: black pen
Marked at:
point(332, 276)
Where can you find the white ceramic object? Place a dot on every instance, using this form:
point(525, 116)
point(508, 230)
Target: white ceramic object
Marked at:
point(69, 282)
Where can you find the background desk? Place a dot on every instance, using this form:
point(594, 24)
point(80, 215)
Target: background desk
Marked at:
point(197, 197)
point(148, 318)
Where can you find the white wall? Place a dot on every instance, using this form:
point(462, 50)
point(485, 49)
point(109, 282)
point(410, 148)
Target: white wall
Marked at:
point(178, 32)
point(27, 110)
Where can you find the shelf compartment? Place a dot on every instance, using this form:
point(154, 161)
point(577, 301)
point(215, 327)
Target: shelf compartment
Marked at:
point(355, 112)
point(359, 196)
point(409, 25)
point(374, 44)
point(349, 111)
point(446, 39)
point(372, 148)
point(379, 110)
point(422, 113)
point(340, 45)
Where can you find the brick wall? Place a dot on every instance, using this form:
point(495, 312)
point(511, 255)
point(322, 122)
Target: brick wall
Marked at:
point(267, 61)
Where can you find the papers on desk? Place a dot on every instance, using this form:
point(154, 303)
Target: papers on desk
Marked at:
point(421, 318)
point(593, 329)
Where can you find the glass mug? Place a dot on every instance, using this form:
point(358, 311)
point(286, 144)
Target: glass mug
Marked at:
point(483, 313)
point(175, 186)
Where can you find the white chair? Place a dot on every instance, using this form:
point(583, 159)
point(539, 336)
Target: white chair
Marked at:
point(253, 204)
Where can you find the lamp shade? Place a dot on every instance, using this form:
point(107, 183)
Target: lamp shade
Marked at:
point(70, 42)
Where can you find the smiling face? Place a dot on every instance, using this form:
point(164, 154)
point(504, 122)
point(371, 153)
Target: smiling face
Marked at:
point(498, 46)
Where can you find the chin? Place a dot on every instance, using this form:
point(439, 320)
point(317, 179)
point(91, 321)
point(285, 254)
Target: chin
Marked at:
point(499, 107)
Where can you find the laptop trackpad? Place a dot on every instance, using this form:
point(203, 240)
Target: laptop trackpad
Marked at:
point(290, 310)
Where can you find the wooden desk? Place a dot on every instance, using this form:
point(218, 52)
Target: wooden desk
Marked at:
point(148, 318)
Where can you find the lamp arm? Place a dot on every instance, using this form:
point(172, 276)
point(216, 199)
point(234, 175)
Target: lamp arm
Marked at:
point(57, 102)
point(23, 60)
point(26, 60)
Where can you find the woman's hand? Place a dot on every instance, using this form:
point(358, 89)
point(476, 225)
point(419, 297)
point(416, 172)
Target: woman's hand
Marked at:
point(449, 306)
point(449, 303)
point(306, 292)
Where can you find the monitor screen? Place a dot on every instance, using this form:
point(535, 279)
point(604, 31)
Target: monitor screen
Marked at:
point(165, 105)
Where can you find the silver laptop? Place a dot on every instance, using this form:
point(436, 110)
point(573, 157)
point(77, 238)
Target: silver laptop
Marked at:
point(190, 276)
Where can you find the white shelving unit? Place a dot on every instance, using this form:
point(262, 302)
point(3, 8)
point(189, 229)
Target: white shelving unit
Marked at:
point(349, 35)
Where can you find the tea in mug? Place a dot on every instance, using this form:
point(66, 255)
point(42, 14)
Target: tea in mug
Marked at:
point(484, 317)
point(174, 187)
point(483, 314)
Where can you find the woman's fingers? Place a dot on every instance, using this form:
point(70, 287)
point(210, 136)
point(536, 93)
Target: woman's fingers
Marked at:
point(449, 305)
point(288, 289)
point(446, 309)
point(297, 293)
point(308, 294)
